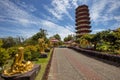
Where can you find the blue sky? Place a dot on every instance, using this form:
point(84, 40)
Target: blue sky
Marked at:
point(26, 17)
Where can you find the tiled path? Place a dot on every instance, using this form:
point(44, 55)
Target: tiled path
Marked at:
point(71, 65)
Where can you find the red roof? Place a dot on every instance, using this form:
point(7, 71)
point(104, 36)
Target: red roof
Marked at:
point(54, 40)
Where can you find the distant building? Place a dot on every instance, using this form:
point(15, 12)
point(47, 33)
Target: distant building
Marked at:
point(54, 42)
point(82, 20)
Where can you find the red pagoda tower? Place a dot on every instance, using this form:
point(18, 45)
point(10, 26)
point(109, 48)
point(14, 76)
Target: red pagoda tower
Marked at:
point(82, 20)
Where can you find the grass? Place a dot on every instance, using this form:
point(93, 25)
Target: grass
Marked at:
point(43, 62)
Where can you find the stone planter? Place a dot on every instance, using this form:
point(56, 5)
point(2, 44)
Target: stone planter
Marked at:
point(44, 55)
point(26, 76)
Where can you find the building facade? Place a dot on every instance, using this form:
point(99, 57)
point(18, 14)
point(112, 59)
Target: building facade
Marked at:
point(82, 20)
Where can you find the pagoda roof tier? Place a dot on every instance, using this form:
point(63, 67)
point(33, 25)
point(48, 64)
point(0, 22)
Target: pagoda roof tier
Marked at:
point(83, 31)
point(82, 6)
point(79, 35)
point(83, 18)
point(84, 22)
point(82, 14)
point(82, 10)
point(82, 27)
point(77, 13)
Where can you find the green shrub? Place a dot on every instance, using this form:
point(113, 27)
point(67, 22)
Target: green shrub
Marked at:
point(35, 56)
point(116, 51)
point(12, 51)
point(103, 46)
point(31, 53)
point(27, 55)
point(3, 56)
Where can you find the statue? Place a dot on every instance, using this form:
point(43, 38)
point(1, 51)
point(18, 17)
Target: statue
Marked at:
point(47, 49)
point(41, 45)
point(50, 44)
point(19, 66)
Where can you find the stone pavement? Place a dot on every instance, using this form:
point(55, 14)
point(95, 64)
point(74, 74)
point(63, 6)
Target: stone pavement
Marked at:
point(68, 64)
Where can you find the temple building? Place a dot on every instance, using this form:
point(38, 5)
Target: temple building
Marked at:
point(82, 20)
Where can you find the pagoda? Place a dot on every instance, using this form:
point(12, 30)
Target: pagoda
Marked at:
point(82, 20)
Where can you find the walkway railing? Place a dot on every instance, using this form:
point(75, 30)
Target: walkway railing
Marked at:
point(106, 56)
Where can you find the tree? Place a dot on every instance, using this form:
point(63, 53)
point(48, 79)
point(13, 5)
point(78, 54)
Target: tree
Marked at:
point(12, 51)
point(109, 39)
point(116, 34)
point(8, 42)
point(31, 52)
point(86, 40)
point(88, 37)
point(41, 34)
point(97, 38)
point(1, 42)
point(3, 55)
point(34, 39)
point(57, 36)
point(19, 40)
point(68, 38)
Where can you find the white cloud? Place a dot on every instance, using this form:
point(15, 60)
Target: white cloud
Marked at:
point(54, 12)
point(102, 12)
point(53, 29)
point(26, 7)
point(97, 30)
point(75, 3)
point(60, 8)
point(83, 1)
point(17, 32)
point(115, 26)
point(97, 8)
point(70, 27)
point(114, 4)
point(15, 14)
point(19, 15)
point(117, 18)
point(23, 21)
point(3, 28)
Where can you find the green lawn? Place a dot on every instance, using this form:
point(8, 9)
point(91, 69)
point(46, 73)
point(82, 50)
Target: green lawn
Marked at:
point(43, 62)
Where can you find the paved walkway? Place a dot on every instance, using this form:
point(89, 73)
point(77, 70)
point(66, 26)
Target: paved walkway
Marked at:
point(71, 65)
